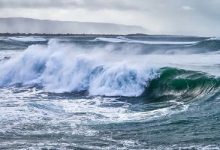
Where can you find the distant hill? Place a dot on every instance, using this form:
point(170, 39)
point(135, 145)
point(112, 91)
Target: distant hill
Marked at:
point(28, 25)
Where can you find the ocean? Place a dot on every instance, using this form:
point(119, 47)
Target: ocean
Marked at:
point(109, 92)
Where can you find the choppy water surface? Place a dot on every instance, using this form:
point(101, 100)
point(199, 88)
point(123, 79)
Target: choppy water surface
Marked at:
point(109, 92)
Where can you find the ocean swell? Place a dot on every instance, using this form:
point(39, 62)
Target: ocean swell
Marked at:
point(121, 39)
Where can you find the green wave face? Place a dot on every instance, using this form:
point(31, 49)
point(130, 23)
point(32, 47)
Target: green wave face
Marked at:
point(181, 84)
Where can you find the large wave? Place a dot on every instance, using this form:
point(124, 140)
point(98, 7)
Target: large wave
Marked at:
point(64, 70)
point(61, 68)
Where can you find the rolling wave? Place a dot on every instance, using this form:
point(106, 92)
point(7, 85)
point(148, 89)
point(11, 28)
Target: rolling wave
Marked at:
point(51, 68)
point(181, 84)
point(195, 46)
point(20, 43)
point(121, 39)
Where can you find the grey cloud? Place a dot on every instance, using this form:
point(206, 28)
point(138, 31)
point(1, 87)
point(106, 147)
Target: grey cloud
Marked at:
point(39, 3)
point(136, 5)
point(159, 16)
point(63, 4)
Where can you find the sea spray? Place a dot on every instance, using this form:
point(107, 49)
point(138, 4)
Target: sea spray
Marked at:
point(61, 69)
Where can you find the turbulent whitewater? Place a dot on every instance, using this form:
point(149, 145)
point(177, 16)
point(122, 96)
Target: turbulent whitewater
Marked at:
point(109, 92)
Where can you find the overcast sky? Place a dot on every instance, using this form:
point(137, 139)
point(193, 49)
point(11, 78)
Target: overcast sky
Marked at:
point(192, 17)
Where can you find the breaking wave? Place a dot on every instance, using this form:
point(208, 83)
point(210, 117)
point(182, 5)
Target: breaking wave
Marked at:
point(59, 69)
point(67, 71)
